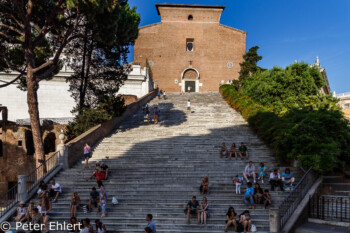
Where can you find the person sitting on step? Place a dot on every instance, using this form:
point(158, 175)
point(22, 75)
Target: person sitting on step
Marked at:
point(204, 211)
point(223, 150)
point(287, 178)
point(205, 185)
point(275, 180)
point(262, 172)
point(249, 171)
point(104, 168)
point(150, 223)
point(246, 221)
point(148, 230)
point(249, 196)
point(21, 212)
point(267, 198)
point(36, 220)
point(100, 227)
point(243, 151)
point(99, 174)
point(233, 151)
point(94, 198)
point(42, 189)
point(55, 190)
point(75, 225)
point(192, 208)
point(258, 194)
point(231, 219)
point(29, 212)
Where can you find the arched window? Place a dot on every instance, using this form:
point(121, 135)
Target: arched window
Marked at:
point(190, 18)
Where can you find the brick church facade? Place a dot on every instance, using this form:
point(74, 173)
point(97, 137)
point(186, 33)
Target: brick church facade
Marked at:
point(189, 49)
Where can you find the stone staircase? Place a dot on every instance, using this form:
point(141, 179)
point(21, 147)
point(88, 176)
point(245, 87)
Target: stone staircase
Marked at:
point(157, 168)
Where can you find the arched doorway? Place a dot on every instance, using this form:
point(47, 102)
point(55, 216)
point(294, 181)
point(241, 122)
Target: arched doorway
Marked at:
point(190, 80)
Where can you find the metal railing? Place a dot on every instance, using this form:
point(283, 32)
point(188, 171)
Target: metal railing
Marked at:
point(291, 202)
point(11, 197)
point(41, 172)
point(329, 208)
point(8, 199)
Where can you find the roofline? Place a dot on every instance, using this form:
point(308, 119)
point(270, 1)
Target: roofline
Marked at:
point(150, 25)
point(234, 29)
point(187, 6)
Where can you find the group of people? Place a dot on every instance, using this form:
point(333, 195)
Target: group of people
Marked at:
point(40, 213)
point(148, 114)
point(161, 93)
point(243, 223)
point(242, 151)
point(275, 179)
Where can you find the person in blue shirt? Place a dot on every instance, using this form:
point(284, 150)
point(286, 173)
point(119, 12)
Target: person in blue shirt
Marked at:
point(287, 178)
point(249, 196)
point(151, 224)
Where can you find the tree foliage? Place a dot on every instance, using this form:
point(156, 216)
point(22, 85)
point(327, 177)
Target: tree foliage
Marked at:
point(99, 62)
point(34, 34)
point(87, 118)
point(296, 86)
point(248, 66)
point(318, 137)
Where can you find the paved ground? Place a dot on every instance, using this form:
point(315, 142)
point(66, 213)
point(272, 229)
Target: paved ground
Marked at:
point(320, 228)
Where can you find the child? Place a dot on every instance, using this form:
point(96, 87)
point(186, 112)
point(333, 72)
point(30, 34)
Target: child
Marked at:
point(238, 181)
point(267, 198)
point(103, 207)
point(262, 170)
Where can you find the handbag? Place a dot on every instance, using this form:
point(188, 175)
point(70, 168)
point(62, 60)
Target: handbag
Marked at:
point(253, 228)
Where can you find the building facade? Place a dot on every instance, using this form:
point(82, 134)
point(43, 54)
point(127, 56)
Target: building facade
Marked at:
point(344, 103)
point(55, 100)
point(189, 50)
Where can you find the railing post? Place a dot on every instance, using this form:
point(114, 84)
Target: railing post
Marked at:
point(61, 148)
point(274, 220)
point(22, 188)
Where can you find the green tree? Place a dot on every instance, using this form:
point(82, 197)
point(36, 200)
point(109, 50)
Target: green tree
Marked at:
point(249, 65)
point(296, 86)
point(33, 36)
point(99, 62)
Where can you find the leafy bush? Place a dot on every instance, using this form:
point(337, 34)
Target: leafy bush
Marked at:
point(296, 86)
point(89, 117)
point(316, 137)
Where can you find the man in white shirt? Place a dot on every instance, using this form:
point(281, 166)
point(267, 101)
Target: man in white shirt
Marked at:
point(275, 180)
point(249, 171)
point(55, 190)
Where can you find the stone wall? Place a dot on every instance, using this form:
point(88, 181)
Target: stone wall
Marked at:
point(74, 148)
point(17, 150)
point(216, 54)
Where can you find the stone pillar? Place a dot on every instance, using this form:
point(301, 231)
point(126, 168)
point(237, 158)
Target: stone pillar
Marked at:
point(61, 148)
point(274, 220)
point(22, 188)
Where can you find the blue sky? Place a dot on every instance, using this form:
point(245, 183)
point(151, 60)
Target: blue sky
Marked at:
point(285, 31)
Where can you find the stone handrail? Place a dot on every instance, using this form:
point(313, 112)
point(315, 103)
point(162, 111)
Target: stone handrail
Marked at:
point(67, 155)
point(74, 148)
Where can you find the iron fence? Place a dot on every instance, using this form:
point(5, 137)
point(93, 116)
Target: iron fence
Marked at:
point(8, 199)
point(291, 202)
point(330, 208)
point(41, 172)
